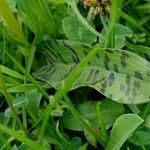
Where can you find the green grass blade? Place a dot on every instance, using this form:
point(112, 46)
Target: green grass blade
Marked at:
point(17, 64)
point(11, 73)
point(134, 22)
point(21, 88)
point(115, 14)
point(84, 123)
point(22, 138)
point(10, 21)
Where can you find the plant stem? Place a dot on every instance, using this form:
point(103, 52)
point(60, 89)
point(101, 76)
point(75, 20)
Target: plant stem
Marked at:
point(84, 123)
point(29, 76)
point(60, 135)
point(11, 21)
point(9, 99)
point(101, 122)
point(22, 138)
point(115, 14)
point(4, 47)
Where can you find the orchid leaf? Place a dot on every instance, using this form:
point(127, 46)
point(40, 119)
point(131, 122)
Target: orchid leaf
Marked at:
point(118, 74)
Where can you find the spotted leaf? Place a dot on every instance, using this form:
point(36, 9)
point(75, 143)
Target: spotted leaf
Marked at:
point(118, 74)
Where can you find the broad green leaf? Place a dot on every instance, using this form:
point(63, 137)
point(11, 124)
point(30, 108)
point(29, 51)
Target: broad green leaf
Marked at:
point(120, 32)
point(118, 74)
point(73, 5)
point(59, 10)
point(110, 111)
point(90, 138)
point(34, 98)
point(141, 137)
point(23, 147)
point(122, 128)
point(75, 144)
point(76, 31)
point(141, 50)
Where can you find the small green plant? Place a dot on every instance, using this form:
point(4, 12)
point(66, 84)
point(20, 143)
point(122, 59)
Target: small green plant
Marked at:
point(74, 74)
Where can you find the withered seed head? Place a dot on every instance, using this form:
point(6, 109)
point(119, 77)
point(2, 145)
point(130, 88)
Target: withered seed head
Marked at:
point(101, 7)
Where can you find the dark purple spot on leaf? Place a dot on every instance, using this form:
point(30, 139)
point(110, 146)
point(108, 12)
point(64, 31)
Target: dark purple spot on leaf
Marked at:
point(109, 51)
point(106, 65)
point(124, 53)
point(97, 55)
point(138, 75)
point(128, 80)
point(122, 87)
point(95, 74)
point(128, 91)
point(136, 84)
point(115, 66)
point(90, 75)
point(104, 85)
point(111, 78)
point(107, 58)
point(123, 62)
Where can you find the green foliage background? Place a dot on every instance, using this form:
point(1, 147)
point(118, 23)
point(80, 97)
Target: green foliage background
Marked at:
point(70, 82)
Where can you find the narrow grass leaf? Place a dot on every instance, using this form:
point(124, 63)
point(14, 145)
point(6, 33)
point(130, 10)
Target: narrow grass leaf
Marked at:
point(10, 21)
point(22, 138)
point(134, 22)
point(145, 8)
point(11, 72)
point(37, 16)
point(21, 88)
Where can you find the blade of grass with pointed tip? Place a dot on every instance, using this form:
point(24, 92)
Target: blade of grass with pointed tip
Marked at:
point(134, 22)
point(10, 21)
